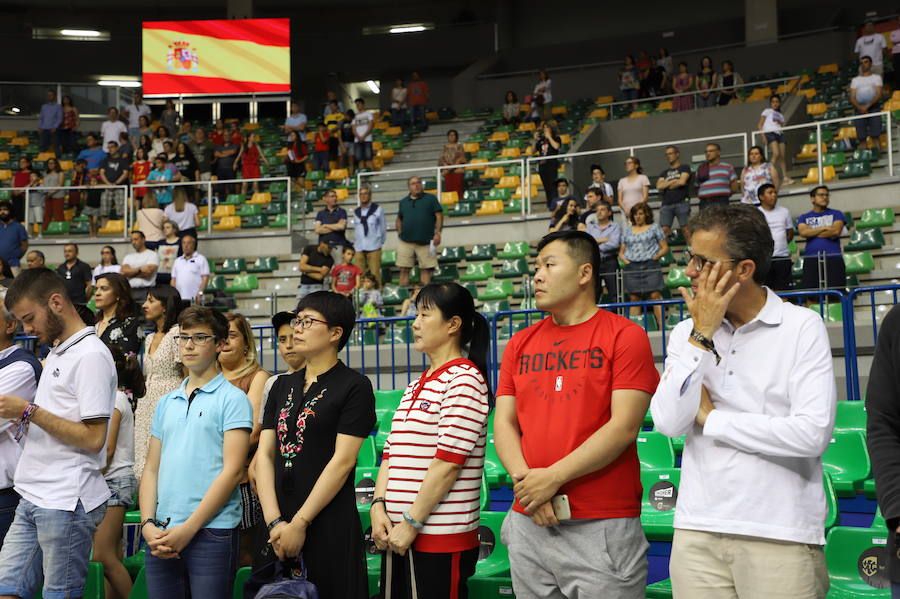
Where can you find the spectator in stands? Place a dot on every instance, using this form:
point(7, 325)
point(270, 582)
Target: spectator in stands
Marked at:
point(566, 217)
point(716, 179)
point(363, 124)
point(35, 259)
point(327, 108)
point(683, 83)
point(218, 134)
point(190, 271)
point(200, 505)
point(408, 307)
point(399, 107)
point(822, 229)
point(729, 81)
point(644, 75)
point(420, 220)
point(643, 244)
point(633, 188)
point(593, 197)
point(79, 178)
point(331, 225)
point(770, 123)
point(146, 143)
point(93, 201)
point(140, 267)
point(706, 79)
point(149, 219)
point(249, 157)
point(224, 155)
point(162, 364)
point(126, 150)
point(19, 373)
point(168, 249)
point(345, 276)
point(50, 120)
point(608, 235)
point(587, 451)
point(112, 127)
point(21, 180)
point(315, 266)
point(782, 228)
point(369, 234)
point(453, 153)
point(426, 501)
point(168, 154)
point(108, 263)
point(117, 323)
point(511, 108)
point(68, 130)
point(35, 202)
point(370, 299)
point(159, 141)
point(542, 95)
point(757, 172)
point(598, 182)
point(202, 150)
point(763, 413)
point(320, 148)
point(346, 146)
point(113, 171)
point(170, 118)
point(6, 278)
point(76, 274)
point(665, 70)
point(93, 155)
point(564, 194)
point(140, 170)
point(629, 80)
point(65, 433)
point(234, 132)
point(417, 96)
point(295, 122)
point(865, 95)
point(895, 55)
point(306, 487)
point(13, 237)
point(133, 112)
point(185, 163)
point(186, 133)
point(54, 180)
point(295, 159)
point(873, 45)
point(674, 185)
point(546, 142)
point(143, 129)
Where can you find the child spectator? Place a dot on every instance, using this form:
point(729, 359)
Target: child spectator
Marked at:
point(35, 200)
point(370, 298)
point(249, 157)
point(345, 276)
point(320, 155)
point(161, 174)
point(140, 169)
point(189, 516)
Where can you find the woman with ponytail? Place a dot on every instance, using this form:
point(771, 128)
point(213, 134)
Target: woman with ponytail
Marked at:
point(427, 495)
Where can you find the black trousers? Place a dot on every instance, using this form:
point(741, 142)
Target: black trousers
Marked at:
point(609, 268)
point(438, 575)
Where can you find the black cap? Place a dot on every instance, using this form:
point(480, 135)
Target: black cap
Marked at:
point(282, 318)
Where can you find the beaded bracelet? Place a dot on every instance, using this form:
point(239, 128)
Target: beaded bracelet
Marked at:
point(22, 427)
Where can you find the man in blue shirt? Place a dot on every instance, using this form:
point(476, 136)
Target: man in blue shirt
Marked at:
point(823, 265)
point(369, 233)
point(93, 155)
point(49, 120)
point(13, 237)
point(330, 224)
point(608, 235)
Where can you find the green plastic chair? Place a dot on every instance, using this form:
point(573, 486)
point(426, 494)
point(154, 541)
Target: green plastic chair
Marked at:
point(234, 199)
point(646, 321)
point(139, 588)
point(831, 518)
point(364, 478)
point(393, 295)
point(273, 208)
point(655, 450)
point(473, 196)
point(388, 257)
point(277, 187)
point(493, 558)
point(846, 547)
point(231, 266)
point(240, 578)
point(249, 210)
point(462, 209)
point(856, 169)
point(876, 217)
point(494, 306)
point(668, 259)
point(833, 312)
point(512, 206)
point(57, 228)
point(279, 220)
point(851, 416)
point(384, 429)
point(513, 268)
point(93, 583)
point(216, 283)
point(500, 193)
point(135, 563)
point(452, 254)
point(255, 221)
point(658, 502)
point(477, 271)
point(315, 176)
point(79, 228)
point(677, 278)
point(869, 488)
point(865, 239)
point(486, 251)
point(367, 458)
point(445, 273)
point(262, 264)
point(847, 461)
point(833, 159)
point(514, 249)
point(676, 238)
point(661, 589)
point(858, 263)
point(242, 284)
point(866, 155)
point(494, 471)
point(387, 401)
point(496, 289)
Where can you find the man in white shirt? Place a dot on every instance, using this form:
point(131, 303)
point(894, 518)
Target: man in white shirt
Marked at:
point(190, 272)
point(19, 373)
point(58, 475)
point(363, 123)
point(865, 95)
point(749, 380)
point(782, 228)
point(112, 127)
point(873, 45)
point(133, 112)
point(140, 267)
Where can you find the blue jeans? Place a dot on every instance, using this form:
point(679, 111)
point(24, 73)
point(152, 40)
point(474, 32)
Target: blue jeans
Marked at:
point(9, 499)
point(206, 567)
point(53, 544)
point(46, 138)
point(304, 290)
point(417, 113)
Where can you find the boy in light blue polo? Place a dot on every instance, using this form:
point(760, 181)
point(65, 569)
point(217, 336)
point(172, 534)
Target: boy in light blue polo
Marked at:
point(190, 503)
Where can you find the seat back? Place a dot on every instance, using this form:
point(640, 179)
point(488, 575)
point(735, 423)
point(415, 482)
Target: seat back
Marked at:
point(846, 459)
point(493, 557)
point(856, 559)
point(655, 450)
point(851, 416)
point(658, 502)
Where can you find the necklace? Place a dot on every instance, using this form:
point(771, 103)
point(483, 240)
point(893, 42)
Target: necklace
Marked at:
point(291, 449)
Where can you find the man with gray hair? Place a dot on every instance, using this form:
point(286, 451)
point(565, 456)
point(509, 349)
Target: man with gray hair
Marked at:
point(420, 219)
point(35, 259)
point(749, 380)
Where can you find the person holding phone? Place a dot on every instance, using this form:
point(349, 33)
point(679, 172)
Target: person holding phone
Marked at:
point(573, 392)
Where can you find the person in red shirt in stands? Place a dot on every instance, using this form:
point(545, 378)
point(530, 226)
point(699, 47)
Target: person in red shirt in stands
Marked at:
point(140, 168)
point(217, 137)
point(573, 392)
point(417, 96)
point(22, 178)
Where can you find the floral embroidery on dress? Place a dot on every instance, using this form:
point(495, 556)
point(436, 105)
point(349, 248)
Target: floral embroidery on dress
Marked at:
point(291, 449)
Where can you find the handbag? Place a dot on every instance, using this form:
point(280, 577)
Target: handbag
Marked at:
point(293, 585)
point(389, 571)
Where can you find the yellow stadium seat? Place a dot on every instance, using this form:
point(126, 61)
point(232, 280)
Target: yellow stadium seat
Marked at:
point(5, 174)
point(810, 93)
point(251, 126)
point(529, 126)
point(4, 155)
point(471, 146)
point(378, 163)
point(66, 165)
point(786, 88)
point(382, 125)
point(113, 227)
point(559, 110)
point(377, 145)
point(69, 213)
point(510, 153)
point(342, 193)
point(816, 108)
point(665, 105)
point(223, 210)
point(828, 68)
point(565, 138)
point(232, 119)
point(282, 152)
point(44, 156)
point(524, 107)
point(477, 163)
point(604, 100)
point(385, 154)
point(8, 134)
point(449, 198)
point(203, 211)
point(493, 172)
point(808, 151)
point(432, 116)
point(599, 113)
point(535, 179)
point(228, 223)
point(19, 141)
point(638, 114)
point(499, 136)
point(846, 133)
point(760, 94)
point(896, 95)
point(518, 194)
point(585, 127)
point(310, 136)
point(336, 174)
point(509, 181)
point(812, 175)
point(393, 131)
point(260, 197)
point(490, 207)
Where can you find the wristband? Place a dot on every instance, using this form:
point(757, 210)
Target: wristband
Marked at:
point(377, 500)
point(274, 523)
point(157, 523)
point(22, 426)
point(412, 521)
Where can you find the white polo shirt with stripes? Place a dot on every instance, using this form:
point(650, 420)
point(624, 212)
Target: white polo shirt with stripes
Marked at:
point(443, 415)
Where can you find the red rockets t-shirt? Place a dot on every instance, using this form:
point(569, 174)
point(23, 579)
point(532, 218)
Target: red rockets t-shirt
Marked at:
point(562, 378)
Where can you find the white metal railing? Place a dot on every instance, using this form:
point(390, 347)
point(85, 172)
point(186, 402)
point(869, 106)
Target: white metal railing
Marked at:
point(26, 220)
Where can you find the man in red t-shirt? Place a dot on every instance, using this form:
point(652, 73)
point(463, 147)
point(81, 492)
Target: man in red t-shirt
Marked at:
point(417, 96)
point(573, 392)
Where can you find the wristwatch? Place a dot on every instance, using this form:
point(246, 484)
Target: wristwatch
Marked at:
point(157, 523)
point(412, 521)
point(706, 342)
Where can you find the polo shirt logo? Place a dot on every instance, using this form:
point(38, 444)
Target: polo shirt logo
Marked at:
point(56, 372)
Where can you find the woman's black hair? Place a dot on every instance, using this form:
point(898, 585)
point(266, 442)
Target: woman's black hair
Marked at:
point(7, 273)
point(452, 299)
point(335, 308)
point(115, 260)
point(762, 154)
point(515, 98)
point(169, 297)
point(128, 369)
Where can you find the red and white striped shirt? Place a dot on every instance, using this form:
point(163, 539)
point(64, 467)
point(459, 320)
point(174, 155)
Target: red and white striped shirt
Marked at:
point(442, 416)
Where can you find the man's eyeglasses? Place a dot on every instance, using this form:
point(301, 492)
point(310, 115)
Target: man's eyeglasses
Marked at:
point(698, 261)
point(196, 339)
point(306, 322)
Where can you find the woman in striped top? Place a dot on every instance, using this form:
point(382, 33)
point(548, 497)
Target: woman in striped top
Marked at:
point(427, 494)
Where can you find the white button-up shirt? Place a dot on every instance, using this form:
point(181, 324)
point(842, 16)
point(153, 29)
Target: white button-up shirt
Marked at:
point(755, 468)
point(16, 379)
point(78, 383)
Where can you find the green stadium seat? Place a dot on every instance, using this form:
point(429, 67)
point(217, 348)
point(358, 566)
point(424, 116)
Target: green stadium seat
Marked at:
point(486, 251)
point(462, 209)
point(849, 550)
point(855, 169)
point(655, 450)
point(393, 295)
point(493, 558)
point(831, 518)
point(445, 273)
point(384, 429)
point(661, 589)
point(135, 563)
point(858, 263)
point(234, 199)
point(514, 249)
point(500, 193)
point(494, 471)
point(833, 159)
point(57, 228)
point(388, 257)
point(797, 269)
point(273, 208)
point(231, 266)
point(676, 238)
point(387, 400)
point(477, 271)
point(216, 283)
point(242, 284)
point(668, 259)
point(494, 306)
point(658, 502)
point(240, 578)
point(847, 461)
point(452, 254)
point(364, 478)
point(513, 268)
point(250, 210)
point(866, 155)
point(833, 312)
point(876, 217)
point(255, 221)
point(869, 488)
point(279, 221)
point(851, 416)
point(277, 187)
point(646, 321)
point(865, 239)
point(496, 289)
point(262, 264)
point(315, 176)
point(367, 457)
point(78, 227)
point(677, 278)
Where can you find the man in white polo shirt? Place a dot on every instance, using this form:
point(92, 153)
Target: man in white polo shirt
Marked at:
point(140, 267)
point(190, 272)
point(58, 476)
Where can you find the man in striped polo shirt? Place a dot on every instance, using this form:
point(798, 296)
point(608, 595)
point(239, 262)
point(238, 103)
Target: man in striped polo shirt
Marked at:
point(717, 179)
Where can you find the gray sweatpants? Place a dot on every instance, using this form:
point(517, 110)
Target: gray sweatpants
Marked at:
point(579, 559)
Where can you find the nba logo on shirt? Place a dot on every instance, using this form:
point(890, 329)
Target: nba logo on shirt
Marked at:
point(559, 380)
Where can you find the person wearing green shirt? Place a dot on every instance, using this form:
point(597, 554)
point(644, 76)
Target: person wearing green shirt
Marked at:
point(420, 220)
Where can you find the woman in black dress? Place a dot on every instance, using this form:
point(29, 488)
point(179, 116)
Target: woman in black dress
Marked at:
point(117, 321)
point(547, 142)
point(313, 428)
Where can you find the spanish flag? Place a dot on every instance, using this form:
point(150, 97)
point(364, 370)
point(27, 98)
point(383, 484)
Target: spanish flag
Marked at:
point(239, 56)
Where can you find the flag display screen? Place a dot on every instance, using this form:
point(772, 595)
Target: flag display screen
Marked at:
point(239, 56)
